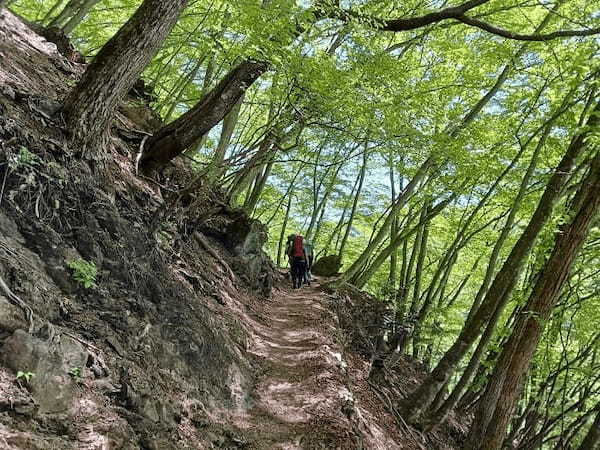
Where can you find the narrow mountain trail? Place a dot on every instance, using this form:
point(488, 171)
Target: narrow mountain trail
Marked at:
point(304, 397)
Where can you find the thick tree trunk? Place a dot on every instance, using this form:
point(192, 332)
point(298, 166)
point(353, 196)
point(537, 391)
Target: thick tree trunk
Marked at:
point(90, 106)
point(420, 400)
point(174, 138)
point(505, 385)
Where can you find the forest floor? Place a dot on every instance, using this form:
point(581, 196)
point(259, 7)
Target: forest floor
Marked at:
point(177, 344)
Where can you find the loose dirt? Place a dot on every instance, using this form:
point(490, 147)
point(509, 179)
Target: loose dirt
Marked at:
point(304, 395)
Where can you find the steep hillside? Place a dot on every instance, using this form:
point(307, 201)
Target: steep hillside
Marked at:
point(136, 313)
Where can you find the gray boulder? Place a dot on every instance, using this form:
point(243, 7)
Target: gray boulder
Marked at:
point(50, 363)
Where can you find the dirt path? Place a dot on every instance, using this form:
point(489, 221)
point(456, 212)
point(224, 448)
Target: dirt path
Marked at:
point(303, 398)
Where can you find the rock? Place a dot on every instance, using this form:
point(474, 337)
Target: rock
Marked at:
point(327, 266)
point(246, 237)
point(50, 361)
point(11, 317)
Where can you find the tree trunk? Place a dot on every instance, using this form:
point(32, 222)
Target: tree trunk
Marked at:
point(79, 15)
point(259, 186)
point(384, 254)
point(70, 8)
point(216, 169)
point(90, 106)
point(505, 385)
point(284, 224)
point(383, 232)
point(592, 438)
point(420, 400)
point(440, 415)
point(174, 138)
point(50, 12)
point(363, 171)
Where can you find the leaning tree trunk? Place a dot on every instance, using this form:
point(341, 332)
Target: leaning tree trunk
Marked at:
point(592, 438)
point(421, 399)
point(437, 417)
point(90, 107)
point(361, 181)
point(174, 138)
point(504, 386)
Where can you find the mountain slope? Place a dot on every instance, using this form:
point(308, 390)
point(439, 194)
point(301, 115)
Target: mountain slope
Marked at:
point(171, 339)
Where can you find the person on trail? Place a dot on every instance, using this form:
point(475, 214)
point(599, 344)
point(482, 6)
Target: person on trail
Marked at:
point(309, 251)
point(295, 251)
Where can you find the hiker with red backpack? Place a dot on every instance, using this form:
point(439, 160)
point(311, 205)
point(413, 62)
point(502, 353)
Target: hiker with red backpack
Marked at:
point(297, 256)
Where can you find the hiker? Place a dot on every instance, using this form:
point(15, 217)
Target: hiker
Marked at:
point(309, 251)
point(295, 251)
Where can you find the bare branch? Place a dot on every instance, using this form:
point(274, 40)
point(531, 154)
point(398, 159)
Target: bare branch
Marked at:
point(525, 37)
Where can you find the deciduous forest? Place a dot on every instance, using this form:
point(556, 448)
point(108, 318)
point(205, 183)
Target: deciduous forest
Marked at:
point(443, 157)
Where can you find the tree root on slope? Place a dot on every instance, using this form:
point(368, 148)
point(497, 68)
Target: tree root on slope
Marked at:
point(20, 303)
point(385, 399)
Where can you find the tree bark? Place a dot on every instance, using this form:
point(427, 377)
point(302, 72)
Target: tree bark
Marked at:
point(70, 8)
point(216, 169)
point(174, 138)
point(420, 400)
point(505, 385)
point(440, 415)
point(90, 106)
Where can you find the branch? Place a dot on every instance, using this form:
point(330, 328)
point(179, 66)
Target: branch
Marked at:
point(525, 37)
point(438, 16)
point(457, 13)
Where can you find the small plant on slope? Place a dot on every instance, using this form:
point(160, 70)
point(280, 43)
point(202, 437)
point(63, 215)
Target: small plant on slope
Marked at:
point(26, 376)
point(84, 272)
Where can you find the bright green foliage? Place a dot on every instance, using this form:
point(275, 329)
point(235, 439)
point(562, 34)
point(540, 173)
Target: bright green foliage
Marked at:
point(26, 376)
point(75, 372)
point(24, 159)
point(84, 272)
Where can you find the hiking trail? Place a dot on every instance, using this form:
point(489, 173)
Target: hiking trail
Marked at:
point(303, 398)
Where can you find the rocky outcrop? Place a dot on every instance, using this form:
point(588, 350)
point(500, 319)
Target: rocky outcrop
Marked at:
point(50, 367)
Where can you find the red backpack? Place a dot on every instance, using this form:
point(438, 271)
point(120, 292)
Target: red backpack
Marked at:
point(298, 247)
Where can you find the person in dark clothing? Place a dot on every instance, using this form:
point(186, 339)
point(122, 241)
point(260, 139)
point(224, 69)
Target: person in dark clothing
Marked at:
point(297, 256)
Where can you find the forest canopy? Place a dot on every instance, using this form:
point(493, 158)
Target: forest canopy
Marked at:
point(446, 151)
